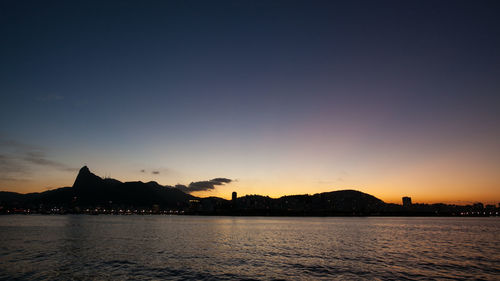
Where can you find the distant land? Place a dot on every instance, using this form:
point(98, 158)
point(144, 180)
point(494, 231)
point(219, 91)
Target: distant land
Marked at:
point(91, 194)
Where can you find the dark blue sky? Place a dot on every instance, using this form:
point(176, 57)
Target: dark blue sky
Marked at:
point(257, 90)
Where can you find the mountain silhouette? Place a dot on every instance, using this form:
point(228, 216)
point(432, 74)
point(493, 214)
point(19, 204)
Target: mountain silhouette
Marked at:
point(92, 191)
point(342, 202)
point(87, 179)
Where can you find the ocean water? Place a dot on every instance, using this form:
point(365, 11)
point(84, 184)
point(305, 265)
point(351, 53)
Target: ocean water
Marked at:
point(81, 247)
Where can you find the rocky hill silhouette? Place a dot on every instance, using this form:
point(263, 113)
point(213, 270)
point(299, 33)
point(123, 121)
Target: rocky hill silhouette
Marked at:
point(92, 191)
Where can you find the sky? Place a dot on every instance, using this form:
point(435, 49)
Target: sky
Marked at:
point(392, 98)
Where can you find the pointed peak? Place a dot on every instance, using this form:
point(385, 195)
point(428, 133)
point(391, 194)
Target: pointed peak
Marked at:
point(84, 169)
point(86, 178)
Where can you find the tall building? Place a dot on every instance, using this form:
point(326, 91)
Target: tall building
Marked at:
point(406, 201)
point(235, 195)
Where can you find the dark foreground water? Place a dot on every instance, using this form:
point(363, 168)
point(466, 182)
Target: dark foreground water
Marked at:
point(80, 247)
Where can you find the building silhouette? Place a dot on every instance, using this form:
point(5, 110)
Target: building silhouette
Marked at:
point(234, 196)
point(406, 201)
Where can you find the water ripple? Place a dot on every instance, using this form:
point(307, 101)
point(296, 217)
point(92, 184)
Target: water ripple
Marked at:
point(236, 248)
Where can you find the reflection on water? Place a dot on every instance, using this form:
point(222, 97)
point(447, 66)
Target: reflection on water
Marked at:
point(185, 247)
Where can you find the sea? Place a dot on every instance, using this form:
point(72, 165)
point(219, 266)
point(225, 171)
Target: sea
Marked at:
point(159, 247)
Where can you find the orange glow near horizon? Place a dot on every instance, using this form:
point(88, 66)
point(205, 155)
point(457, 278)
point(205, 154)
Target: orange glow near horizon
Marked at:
point(443, 178)
point(451, 194)
point(280, 99)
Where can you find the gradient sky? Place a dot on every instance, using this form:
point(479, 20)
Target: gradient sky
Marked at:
point(391, 98)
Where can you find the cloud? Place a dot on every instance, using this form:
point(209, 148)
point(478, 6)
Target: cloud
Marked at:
point(17, 160)
point(39, 158)
point(10, 165)
point(154, 172)
point(221, 180)
point(13, 169)
point(202, 185)
point(181, 187)
point(16, 145)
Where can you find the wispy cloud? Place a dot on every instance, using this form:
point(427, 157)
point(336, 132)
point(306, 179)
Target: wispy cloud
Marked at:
point(18, 159)
point(17, 145)
point(11, 166)
point(39, 158)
